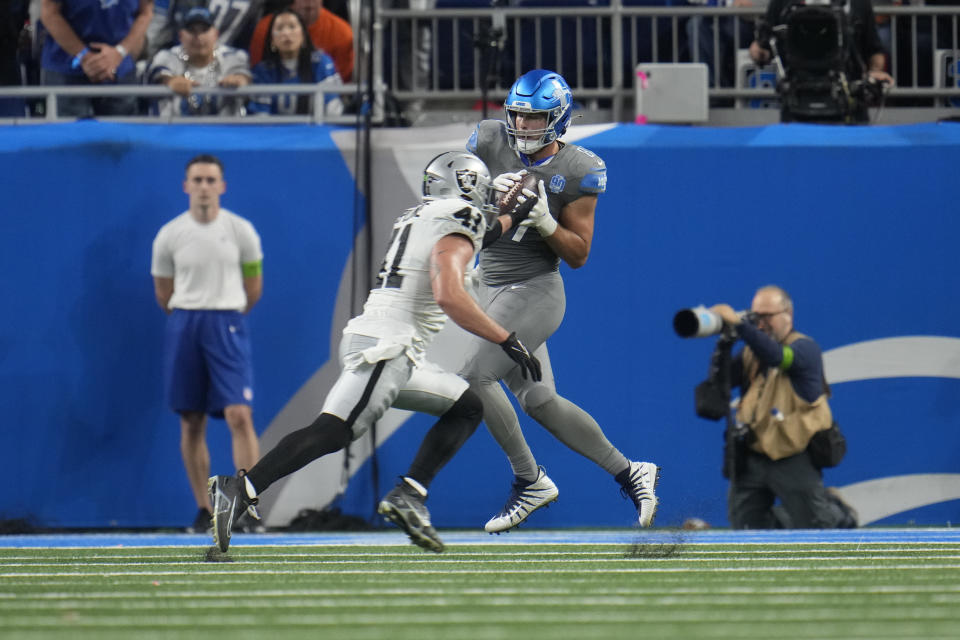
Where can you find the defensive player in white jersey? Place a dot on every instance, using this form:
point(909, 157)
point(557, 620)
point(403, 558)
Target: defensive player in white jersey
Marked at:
point(382, 351)
point(207, 273)
point(520, 286)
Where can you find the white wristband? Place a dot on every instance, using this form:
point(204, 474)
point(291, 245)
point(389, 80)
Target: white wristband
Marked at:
point(122, 50)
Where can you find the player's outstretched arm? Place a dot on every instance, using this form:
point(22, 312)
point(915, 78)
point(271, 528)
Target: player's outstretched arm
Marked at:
point(448, 260)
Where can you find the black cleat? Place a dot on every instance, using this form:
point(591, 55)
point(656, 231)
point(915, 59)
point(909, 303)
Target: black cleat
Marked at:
point(404, 507)
point(228, 496)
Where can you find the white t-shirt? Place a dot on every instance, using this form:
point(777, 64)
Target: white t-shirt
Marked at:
point(205, 260)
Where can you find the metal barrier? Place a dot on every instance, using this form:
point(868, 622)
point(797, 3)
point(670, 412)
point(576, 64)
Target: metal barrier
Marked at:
point(450, 58)
point(49, 94)
point(597, 48)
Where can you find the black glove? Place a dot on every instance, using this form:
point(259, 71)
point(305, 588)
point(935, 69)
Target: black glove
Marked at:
point(519, 354)
point(521, 210)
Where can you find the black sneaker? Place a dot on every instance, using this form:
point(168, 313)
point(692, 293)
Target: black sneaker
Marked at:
point(850, 519)
point(202, 523)
point(229, 499)
point(404, 507)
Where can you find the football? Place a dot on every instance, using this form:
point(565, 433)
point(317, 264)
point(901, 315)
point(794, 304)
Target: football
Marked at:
point(508, 200)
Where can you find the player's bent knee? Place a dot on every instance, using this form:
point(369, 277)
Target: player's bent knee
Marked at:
point(330, 433)
point(536, 399)
point(469, 407)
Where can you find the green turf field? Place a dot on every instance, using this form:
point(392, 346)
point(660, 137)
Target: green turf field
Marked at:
point(521, 592)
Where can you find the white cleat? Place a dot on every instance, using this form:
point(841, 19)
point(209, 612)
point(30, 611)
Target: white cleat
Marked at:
point(524, 499)
point(639, 487)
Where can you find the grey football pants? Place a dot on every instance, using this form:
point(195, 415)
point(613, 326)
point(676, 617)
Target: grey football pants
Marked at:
point(534, 309)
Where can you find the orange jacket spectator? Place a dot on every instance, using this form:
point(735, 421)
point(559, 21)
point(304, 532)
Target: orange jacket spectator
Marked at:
point(328, 32)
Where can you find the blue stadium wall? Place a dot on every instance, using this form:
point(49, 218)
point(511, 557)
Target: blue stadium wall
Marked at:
point(859, 224)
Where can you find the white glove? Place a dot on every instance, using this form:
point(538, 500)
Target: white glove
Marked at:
point(505, 181)
point(539, 216)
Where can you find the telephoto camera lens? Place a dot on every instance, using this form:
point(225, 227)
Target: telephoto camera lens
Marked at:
point(697, 322)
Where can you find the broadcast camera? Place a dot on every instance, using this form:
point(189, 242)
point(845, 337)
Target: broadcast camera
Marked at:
point(821, 73)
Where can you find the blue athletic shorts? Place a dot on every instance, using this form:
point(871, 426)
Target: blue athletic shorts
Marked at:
point(206, 363)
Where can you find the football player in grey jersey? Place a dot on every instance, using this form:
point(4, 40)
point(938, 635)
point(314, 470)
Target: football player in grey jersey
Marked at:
point(420, 284)
point(520, 286)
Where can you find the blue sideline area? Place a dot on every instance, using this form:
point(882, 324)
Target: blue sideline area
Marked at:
point(858, 223)
point(568, 536)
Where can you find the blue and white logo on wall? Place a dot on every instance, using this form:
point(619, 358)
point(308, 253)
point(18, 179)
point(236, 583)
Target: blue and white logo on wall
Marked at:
point(888, 494)
point(557, 183)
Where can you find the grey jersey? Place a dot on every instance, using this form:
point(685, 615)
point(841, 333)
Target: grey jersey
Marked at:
point(573, 172)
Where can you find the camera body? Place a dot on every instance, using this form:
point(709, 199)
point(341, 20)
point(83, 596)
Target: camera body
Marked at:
point(823, 74)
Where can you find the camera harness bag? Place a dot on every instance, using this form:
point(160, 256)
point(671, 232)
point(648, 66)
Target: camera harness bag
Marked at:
point(783, 422)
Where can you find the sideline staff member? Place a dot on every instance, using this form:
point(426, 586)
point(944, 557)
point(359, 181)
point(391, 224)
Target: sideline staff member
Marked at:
point(207, 272)
point(783, 402)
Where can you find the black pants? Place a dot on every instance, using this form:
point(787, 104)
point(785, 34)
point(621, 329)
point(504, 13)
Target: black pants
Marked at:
point(795, 481)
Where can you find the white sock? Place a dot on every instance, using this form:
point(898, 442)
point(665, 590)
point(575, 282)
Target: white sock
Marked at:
point(251, 492)
point(422, 490)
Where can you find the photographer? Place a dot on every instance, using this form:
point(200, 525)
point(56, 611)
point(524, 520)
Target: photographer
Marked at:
point(783, 404)
point(856, 74)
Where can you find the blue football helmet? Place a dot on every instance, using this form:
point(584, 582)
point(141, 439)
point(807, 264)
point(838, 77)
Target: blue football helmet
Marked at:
point(538, 91)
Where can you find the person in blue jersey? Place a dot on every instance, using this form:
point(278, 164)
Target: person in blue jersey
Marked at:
point(520, 285)
point(783, 404)
point(383, 351)
point(290, 58)
point(93, 42)
point(234, 20)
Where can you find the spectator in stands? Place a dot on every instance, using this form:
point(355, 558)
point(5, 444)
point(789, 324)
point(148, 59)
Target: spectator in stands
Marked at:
point(200, 62)
point(290, 58)
point(234, 20)
point(329, 33)
point(207, 268)
point(13, 16)
point(735, 33)
point(93, 42)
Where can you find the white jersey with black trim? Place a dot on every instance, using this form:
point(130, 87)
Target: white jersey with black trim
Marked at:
point(401, 310)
